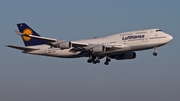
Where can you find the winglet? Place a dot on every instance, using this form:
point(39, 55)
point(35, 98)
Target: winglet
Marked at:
point(19, 33)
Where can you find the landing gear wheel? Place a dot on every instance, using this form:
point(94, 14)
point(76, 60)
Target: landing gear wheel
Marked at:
point(89, 61)
point(154, 53)
point(98, 61)
point(106, 63)
point(94, 62)
point(109, 60)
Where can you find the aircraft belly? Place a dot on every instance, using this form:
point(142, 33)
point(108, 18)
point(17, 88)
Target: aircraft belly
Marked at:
point(55, 53)
point(63, 53)
point(114, 51)
point(145, 46)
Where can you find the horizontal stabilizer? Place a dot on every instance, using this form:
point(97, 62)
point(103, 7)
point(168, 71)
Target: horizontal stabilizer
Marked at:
point(22, 48)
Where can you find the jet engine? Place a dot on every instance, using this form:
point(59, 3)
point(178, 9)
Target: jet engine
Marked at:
point(98, 49)
point(65, 45)
point(128, 55)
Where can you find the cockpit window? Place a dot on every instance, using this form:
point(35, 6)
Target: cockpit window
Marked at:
point(158, 30)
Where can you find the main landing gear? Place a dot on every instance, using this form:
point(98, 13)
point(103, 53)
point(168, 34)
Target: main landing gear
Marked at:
point(93, 59)
point(107, 61)
point(154, 53)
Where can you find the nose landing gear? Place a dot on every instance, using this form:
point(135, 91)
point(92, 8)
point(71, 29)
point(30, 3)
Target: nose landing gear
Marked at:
point(155, 53)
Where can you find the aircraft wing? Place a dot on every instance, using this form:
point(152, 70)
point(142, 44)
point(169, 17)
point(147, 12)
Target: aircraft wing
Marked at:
point(52, 41)
point(89, 47)
point(77, 46)
point(37, 37)
point(22, 48)
point(114, 46)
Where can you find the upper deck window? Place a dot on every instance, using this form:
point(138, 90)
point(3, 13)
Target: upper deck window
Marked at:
point(158, 30)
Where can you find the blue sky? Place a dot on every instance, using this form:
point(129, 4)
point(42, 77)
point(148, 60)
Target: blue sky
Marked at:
point(37, 78)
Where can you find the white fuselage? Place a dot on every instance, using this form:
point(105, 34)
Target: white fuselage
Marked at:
point(128, 41)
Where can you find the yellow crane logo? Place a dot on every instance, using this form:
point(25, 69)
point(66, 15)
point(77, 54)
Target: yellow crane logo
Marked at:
point(27, 31)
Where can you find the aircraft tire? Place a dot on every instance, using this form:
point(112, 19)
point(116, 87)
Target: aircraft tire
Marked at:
point(154, 53)
point(106, 63)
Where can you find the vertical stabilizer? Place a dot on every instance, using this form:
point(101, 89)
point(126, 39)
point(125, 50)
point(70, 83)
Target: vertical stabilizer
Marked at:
point(25, 29)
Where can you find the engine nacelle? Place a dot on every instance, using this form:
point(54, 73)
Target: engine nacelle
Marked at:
point(65, 45)
point(99, 49)
point(128, 55)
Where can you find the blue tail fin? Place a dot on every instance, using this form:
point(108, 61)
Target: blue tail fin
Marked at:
point(25, 29)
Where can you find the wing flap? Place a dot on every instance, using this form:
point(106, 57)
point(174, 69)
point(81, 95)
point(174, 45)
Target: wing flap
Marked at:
point(77, 44)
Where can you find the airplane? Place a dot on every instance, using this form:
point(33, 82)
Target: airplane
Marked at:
point(121, 46)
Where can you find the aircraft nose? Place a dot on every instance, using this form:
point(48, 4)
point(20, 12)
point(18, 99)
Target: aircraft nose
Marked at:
point(170, 37)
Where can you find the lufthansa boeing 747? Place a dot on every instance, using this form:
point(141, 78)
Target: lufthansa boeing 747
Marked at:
point(119, 46)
